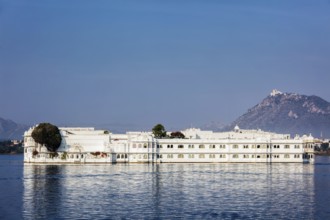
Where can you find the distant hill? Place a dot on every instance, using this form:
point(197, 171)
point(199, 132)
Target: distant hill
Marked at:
point(288, 113)
point(10, 130)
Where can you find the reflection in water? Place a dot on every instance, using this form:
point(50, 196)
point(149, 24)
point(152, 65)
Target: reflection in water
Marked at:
point(43, 190)
point(227, 191)
point(322, 186)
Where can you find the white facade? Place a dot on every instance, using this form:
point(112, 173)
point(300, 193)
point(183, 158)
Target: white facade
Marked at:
point(86, 145)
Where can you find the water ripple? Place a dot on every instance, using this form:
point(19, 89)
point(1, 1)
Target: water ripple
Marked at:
point(170, 191)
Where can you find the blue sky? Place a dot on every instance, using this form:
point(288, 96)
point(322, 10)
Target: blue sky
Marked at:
point(127, 65)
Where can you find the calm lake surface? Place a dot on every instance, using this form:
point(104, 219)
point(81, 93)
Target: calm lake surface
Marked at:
point(164, 191)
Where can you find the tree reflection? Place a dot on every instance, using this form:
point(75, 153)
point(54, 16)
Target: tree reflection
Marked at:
point(43, 191)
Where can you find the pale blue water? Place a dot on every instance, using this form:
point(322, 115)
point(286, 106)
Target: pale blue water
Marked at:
point(164, 191)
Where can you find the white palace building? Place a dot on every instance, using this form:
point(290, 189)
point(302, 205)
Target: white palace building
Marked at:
point(87, 145)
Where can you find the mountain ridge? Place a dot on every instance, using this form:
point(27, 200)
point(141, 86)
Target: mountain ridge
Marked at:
point(287, 113)
point(10, 130)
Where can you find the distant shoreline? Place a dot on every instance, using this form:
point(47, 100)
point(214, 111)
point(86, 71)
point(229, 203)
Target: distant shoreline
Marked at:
point(12, 153)
point(322, 153)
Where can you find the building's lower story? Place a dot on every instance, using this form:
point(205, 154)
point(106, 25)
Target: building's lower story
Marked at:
point(124, 157)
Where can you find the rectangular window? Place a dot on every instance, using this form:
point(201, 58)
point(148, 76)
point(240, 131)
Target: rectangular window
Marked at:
point(180, 146)
point(190, 146)
point(296, 146)
point(286, 146)
point(180, 156)
point(191, 156)
point(235, 146)
point(212, 146)
point(212, 156)
point(235, 155)
point(202, 156)
point(201, 146)
point(222, 155)
point(170, 156)
point(245, 146)
point(245, 156)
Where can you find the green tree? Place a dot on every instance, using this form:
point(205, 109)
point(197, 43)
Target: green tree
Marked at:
point(159, 131)
point(48, 135)
point(324, 146)
point(177, 134)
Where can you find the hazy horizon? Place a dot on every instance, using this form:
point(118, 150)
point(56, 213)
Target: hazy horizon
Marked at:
point(132, 64)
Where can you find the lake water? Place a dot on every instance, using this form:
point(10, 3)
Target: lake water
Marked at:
point(164, 191)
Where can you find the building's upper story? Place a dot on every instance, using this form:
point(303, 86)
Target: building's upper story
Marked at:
point(89, 139)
